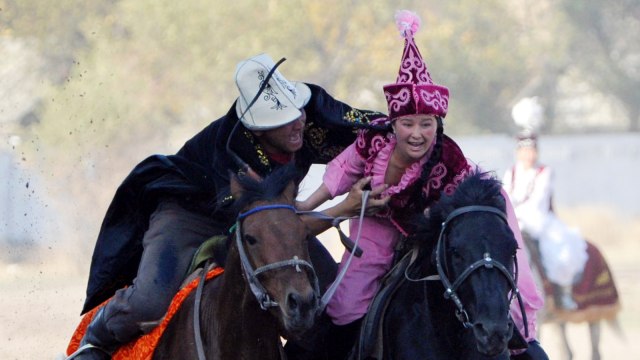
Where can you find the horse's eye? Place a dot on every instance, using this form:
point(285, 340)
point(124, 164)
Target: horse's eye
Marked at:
point(250, 240)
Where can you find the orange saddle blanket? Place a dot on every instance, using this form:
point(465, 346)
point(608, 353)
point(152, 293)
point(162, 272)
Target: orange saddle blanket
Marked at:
point(143, 347)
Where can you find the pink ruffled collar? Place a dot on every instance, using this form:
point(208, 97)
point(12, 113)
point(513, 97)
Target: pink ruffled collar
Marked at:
point(381, 163)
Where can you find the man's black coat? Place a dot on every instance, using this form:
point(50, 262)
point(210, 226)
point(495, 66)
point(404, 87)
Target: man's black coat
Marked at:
point(198, 177)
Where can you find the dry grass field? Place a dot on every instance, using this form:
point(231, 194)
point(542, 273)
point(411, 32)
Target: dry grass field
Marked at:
point(40, 299)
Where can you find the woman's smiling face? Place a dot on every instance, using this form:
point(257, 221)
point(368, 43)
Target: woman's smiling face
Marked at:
point(414, 134)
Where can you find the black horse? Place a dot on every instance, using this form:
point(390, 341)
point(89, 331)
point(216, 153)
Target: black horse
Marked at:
point(268, 290)
point(449, 297)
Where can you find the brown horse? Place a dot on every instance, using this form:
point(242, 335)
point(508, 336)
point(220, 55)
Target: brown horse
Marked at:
point(594, 293)
point(268, 289)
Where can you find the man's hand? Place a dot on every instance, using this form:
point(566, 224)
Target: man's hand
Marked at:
point(349, 207)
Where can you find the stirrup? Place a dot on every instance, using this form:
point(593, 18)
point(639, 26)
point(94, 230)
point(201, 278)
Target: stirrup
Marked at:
point(85, 347)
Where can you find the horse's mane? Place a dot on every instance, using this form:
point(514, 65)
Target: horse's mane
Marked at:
point(479, 188)
point(268, 188)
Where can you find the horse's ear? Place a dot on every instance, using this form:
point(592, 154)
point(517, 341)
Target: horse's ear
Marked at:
point(291, 191)
point(234, 186)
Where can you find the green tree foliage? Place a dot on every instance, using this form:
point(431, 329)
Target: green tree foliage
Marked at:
point(133, 71)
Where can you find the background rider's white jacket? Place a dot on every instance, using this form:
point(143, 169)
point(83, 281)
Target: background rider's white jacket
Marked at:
point(562, 249)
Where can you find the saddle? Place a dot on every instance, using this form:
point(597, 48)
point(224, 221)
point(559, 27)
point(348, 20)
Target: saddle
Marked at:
point(215, 249)
point(144, 346)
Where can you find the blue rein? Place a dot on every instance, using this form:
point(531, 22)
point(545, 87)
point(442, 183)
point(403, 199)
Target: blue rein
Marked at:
point(265, 207)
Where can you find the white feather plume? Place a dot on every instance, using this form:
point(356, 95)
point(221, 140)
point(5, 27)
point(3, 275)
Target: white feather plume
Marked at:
point(528, 114)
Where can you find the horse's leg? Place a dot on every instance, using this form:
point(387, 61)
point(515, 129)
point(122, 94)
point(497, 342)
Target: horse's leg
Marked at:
point(594, 331)
point(568, 355)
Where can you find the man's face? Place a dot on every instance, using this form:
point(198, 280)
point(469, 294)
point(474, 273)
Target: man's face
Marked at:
point(286, 139)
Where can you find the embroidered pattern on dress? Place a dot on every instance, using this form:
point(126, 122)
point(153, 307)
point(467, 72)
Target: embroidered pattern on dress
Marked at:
point(377, 143)
point(450, 188)
point(361, 140)
point(435, 179)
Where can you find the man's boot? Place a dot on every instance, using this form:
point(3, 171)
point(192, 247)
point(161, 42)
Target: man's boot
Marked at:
point(98, 342)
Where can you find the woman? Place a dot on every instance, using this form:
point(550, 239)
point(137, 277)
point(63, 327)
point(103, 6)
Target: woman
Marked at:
point(414, 162)
point(562, 250)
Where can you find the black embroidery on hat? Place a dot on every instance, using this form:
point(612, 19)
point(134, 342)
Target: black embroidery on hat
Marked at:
point(287, 85)
point(270, 93)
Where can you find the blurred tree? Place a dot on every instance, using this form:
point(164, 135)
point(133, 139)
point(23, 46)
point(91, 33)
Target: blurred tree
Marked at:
point(123, 79)
point(545, 53)
point(55, 24)
point(605, 46)
point(479, 58)
point(141, 67)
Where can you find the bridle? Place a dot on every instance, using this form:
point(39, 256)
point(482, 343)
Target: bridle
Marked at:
point(258, 290)
point(486, 262)
point(261, 294)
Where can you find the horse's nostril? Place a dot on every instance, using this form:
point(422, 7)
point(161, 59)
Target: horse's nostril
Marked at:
point(301, 302)
point(492, 330)
point(293, 301)
point(480, 330)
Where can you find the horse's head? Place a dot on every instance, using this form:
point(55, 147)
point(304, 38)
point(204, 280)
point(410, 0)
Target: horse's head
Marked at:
point(272, 243)
point(475, 257)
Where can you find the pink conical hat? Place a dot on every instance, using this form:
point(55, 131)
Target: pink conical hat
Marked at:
point(414, 92)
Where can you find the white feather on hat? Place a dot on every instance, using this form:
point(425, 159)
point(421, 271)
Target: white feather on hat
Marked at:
point(528, 114)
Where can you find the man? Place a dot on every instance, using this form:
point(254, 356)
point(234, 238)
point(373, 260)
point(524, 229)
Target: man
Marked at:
point(169, 205)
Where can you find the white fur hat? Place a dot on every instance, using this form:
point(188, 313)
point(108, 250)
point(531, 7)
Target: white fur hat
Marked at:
point(280, 101)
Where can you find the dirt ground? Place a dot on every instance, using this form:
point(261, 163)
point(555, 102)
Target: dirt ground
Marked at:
point(40, 300)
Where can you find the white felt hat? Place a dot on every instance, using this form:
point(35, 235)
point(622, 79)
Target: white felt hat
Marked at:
point(278, 104)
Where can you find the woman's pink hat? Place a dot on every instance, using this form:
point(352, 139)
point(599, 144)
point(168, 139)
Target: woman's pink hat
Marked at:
point(414, 92)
